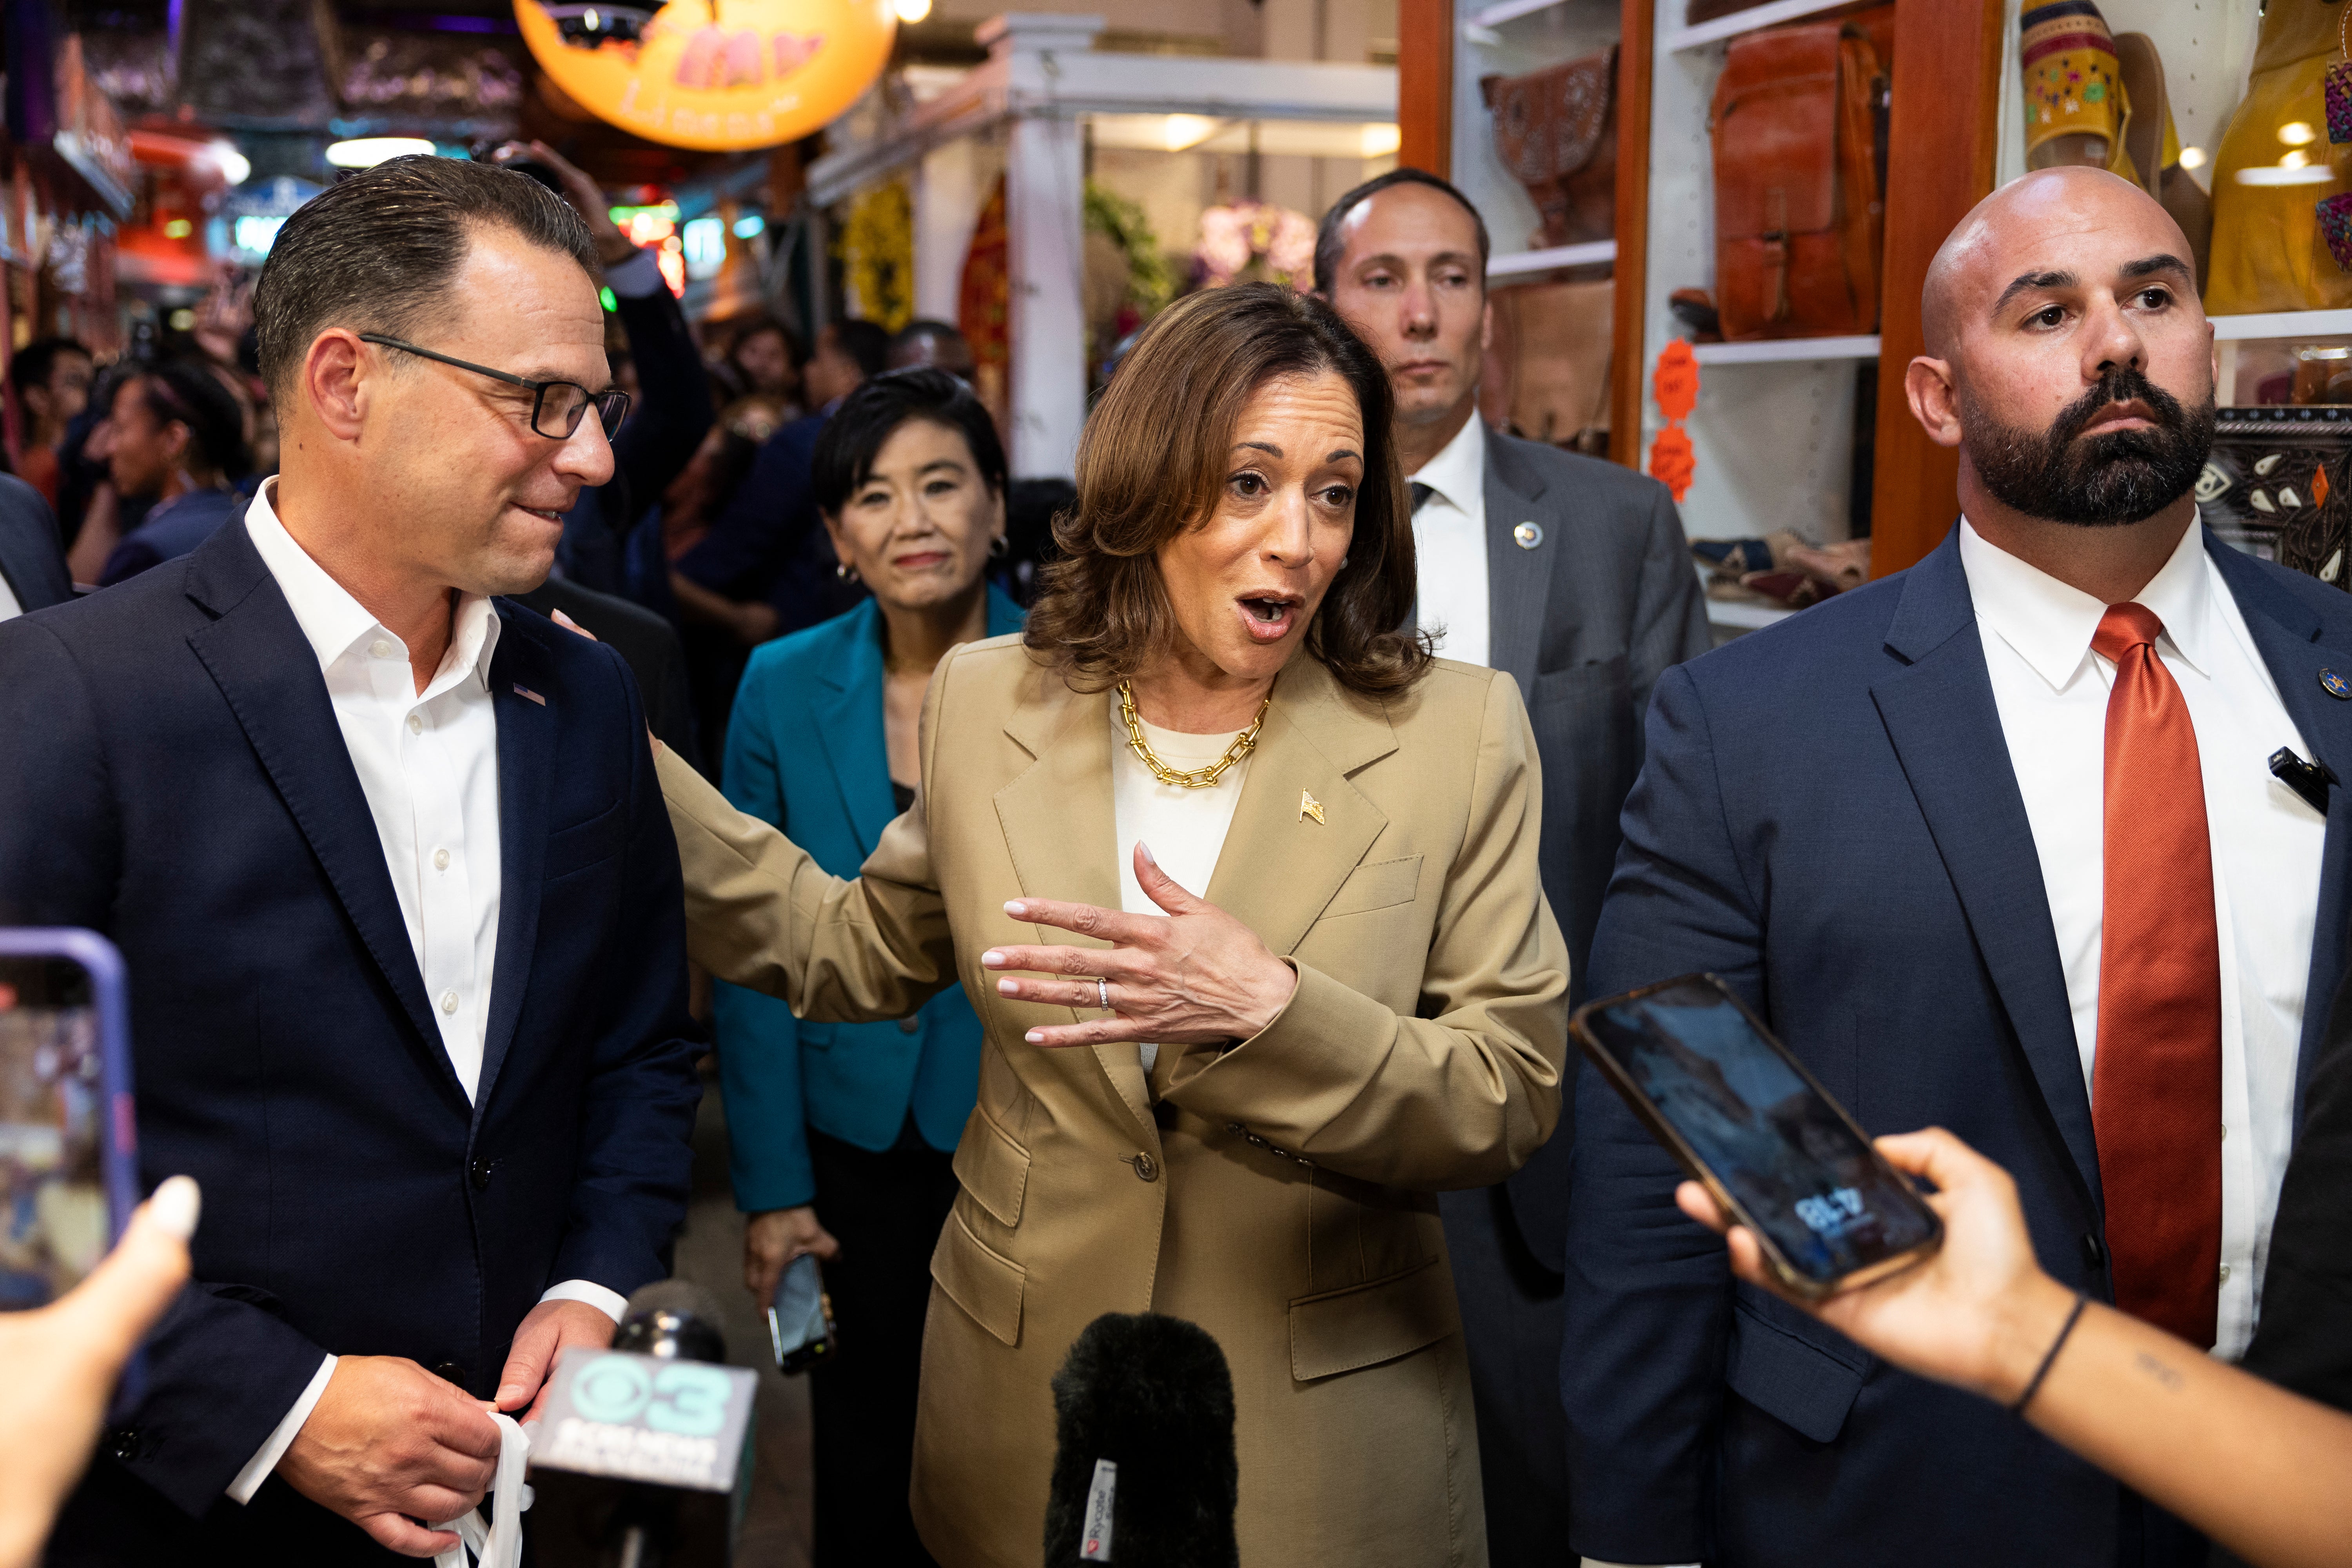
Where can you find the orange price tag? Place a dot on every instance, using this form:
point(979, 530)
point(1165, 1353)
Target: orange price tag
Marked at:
point(1672, 461)
point(1676, 381)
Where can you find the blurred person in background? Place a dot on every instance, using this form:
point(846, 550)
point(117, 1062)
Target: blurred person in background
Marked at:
point(670, 407)
point(765, 568)
point(937, 344)
point(2262, 1473)
point(52, 378)
point(175, 438)
point(843, 1148)
point(32, 558)
point(763, 360)
point(60, 1364)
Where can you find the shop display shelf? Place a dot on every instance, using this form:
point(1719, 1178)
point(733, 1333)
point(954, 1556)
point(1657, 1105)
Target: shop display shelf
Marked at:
point(1510, 11)
point(2282, 324)
point(1528, 262)
point(1680, 38)
point(1735, 615)
point(1784, 350)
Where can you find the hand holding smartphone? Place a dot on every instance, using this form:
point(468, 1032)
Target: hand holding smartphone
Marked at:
point(800, 1319)
point(1745, 1119)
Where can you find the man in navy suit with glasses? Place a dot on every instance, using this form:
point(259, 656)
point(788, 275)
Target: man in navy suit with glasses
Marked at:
point(395, 886)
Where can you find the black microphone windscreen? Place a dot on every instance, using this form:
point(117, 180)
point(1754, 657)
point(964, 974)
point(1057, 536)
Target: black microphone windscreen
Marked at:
point(1153, 1395)
point(672, 1318)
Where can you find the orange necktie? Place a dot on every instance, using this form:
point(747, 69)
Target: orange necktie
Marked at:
point(2156, 1081)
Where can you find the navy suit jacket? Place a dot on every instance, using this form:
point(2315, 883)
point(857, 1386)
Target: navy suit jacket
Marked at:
point(1828, 819)
point(178, 781)
point(32, 558)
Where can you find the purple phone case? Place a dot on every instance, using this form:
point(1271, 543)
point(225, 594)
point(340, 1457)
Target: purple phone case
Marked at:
point(118, 1129)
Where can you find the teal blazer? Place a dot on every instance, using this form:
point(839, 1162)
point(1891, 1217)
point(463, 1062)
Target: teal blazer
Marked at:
point(805, 751)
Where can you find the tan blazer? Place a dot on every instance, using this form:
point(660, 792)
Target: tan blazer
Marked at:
point(1279, 1194)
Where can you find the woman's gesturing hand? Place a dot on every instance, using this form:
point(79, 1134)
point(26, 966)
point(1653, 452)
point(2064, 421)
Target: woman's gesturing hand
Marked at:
point(1980, 1313)
point(1193, 976)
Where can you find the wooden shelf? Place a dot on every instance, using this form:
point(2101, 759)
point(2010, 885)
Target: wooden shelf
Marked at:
point(1738, 617)
point(1553, 261)
point(1509, 11)
point(1785, 351)
point(1740, 22)
point(2282, 324)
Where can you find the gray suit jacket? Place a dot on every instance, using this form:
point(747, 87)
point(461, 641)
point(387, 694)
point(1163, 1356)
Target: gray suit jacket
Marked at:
point(1586, 619)
point(31, 557)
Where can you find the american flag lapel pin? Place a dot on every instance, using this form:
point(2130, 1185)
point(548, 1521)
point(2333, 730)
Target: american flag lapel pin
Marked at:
point(522, 690)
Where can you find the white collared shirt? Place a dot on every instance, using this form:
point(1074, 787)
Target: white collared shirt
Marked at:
point(429, 765)
point(10, 605)
point(2051, 691)
point(1449, 546)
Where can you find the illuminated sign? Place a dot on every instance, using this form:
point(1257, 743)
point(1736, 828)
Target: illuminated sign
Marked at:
point(717, 75)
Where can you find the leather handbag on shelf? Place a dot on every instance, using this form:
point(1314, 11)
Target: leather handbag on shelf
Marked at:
point(1556, 131)
point(1546, 373)
point(1799, 189)
point(2279, 485)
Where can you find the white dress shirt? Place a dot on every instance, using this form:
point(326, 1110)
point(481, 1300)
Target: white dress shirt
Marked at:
point(2051, 693)
point(1186, 829)
point(11, 606)
point(429, 765)
point(1449, 546)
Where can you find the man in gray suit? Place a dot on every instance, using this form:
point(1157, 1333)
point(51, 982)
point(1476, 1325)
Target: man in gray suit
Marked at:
point(1573, 574)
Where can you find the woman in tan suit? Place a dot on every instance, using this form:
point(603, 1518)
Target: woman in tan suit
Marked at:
point(1241, 883)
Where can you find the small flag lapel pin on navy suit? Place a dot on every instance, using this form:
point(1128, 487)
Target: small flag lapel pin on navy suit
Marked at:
point(522, 690)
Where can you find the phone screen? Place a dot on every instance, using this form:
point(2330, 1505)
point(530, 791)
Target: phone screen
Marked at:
point(1808, 1178)
point(800, 1323)
point(58, 1221)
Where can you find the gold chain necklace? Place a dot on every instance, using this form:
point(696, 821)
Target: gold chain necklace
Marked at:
point(1199, 778)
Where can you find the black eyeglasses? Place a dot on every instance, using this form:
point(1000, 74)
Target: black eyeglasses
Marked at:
point(561, 405)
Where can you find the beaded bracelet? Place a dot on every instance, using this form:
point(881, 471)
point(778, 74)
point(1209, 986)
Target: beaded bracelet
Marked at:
point(2050, 1355)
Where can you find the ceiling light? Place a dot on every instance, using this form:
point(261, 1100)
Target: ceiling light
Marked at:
point(911, 10)
point(1178, 132)
point(2297, 132)
point(367, 152)
point(1381, 141)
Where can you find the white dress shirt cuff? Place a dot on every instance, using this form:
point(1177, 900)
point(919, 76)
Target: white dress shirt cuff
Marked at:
point(612, 1304)
point(635, 279)
point(265, 1459)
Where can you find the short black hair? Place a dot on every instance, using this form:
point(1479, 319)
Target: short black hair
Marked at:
point(870, 415)
point(1329, 246)
point(193, 395)
point(32, 363)
point(865, 342)
point(750, 327)
point(377, 251)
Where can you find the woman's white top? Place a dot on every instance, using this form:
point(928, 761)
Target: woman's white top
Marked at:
point(1186, 827)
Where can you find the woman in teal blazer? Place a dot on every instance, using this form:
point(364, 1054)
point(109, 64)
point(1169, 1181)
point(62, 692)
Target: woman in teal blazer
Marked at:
point(856, 1122)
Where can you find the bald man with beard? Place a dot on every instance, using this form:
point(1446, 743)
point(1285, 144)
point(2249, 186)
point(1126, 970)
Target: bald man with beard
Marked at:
point(1995, 845)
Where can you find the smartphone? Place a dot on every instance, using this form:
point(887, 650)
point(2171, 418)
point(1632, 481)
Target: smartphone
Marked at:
point(1747, 1122)
point(69, 1143)
point(800, 1321)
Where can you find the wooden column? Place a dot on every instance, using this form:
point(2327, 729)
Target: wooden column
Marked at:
point(1425, 85)
point(1947, 97)
point(1628, 362)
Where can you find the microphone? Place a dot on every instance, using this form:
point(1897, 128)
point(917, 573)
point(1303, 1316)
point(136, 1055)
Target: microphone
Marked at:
point(1144, 1467)
point(639, 1458)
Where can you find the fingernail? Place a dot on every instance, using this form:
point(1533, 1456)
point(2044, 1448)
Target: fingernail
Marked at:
point(1147, 854)
point(1008, 987)
point(992, 959)
point(1016, 909)
point(176, 1205)
point(1035, 1036)
point(509, 1393)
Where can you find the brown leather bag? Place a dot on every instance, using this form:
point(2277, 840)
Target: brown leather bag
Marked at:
point(1799, 211)
point(1546, 369)
point(1556, 131)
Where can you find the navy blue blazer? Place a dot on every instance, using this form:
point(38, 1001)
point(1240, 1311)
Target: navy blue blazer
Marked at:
point(1828, 819)
point(176, 780)
point(32, 557)
point(806, 751)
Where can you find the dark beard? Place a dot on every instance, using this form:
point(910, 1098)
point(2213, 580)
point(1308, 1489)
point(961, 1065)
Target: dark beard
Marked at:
point(2101, 481)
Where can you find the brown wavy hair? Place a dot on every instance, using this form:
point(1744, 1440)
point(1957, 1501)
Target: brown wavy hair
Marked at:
point(1153, 459)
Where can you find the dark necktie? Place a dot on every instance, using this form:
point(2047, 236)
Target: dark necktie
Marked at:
point(1421, 492)
point(2156, 1080)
